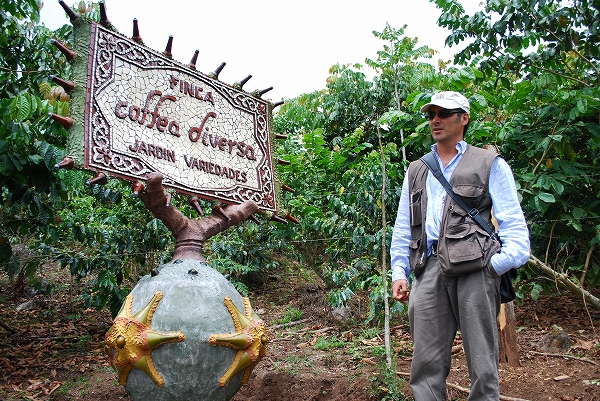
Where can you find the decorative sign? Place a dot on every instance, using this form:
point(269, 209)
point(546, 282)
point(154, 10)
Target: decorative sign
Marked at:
point(145, 112)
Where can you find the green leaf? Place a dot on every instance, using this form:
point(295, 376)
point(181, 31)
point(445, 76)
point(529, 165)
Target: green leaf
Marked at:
point(536, 292)
point(558, 186)
point(17, 161)
point(35, 159)
point(576, 225)
point(14, 266)
point(546, 197)
point(528, 177)
point(5, 251)
point(479, 100)
point(45, 88)
point(582, 105)
point(6, 166)
point(547, 80)
point(43, 212)
point(20, 108)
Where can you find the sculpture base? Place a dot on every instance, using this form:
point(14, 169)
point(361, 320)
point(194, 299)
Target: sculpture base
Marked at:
point(192, 303)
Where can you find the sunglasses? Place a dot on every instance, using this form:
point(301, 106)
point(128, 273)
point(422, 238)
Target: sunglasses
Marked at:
point(443, 114)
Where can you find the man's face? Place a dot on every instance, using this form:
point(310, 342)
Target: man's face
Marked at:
point(447, 128)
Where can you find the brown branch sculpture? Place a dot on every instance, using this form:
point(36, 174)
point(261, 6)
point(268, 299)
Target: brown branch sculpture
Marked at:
point(190, 234)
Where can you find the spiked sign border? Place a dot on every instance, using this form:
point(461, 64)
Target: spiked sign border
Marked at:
point(94, 130)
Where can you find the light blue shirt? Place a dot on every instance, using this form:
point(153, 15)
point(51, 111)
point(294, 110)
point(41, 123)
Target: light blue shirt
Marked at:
point(512, 228)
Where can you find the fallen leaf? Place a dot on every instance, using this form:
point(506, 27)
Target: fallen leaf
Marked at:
point(586, 345)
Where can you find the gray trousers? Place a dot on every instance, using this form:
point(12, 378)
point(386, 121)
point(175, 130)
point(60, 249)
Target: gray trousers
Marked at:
point(439, 305)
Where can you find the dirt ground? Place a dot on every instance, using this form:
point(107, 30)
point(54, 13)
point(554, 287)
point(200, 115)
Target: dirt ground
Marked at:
point(55, 352)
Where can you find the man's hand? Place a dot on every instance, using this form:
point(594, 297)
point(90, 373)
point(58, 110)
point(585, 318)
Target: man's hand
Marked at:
point(400, 290)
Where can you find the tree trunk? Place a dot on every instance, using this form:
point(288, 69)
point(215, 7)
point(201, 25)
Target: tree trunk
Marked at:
point(507, 335)
point(388, 347)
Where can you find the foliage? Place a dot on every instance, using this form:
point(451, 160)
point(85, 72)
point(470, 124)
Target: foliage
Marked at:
point(232, 270)
point(107, 239)
point(539, 109)
point(338, 197)
point(325, 344)
point(386, 385)
point(401, 69)
point(401, 62)
point(247, 252)
point(339, 173)
point(539, 75)
point(349, 103)
point(290, 314)
point(30, 144)
point(529, 67)
point(102, 234)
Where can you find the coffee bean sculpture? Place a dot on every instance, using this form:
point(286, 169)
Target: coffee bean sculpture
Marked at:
point(184, 332)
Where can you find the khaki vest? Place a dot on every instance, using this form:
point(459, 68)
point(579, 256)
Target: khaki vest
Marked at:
point(463, 246)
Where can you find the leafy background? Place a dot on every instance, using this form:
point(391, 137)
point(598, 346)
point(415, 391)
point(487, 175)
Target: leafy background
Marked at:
point(530, 70)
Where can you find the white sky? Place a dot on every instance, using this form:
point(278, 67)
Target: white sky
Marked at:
point(289, 45)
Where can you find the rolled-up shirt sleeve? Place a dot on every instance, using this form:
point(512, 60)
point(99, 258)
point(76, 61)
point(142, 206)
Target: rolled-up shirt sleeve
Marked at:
point(512, 227)
point(399, 248)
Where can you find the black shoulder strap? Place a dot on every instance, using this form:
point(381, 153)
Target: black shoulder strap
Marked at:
point(432, 163)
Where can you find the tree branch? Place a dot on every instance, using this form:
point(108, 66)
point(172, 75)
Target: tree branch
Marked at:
point(8, 328)
point(190, 235)
point(294, 323)
point(564, 280)
point(495, 49)
point(587, 263)
point(565, 356)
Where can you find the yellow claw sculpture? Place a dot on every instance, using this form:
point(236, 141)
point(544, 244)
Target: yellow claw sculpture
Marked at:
point(249, 339)
point(130, 340)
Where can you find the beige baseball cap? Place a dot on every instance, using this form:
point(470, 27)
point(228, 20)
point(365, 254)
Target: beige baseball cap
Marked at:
point(448, 100)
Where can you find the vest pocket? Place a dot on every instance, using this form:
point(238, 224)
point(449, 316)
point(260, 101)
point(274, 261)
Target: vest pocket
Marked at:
point(416, 216)
point(417, 257)
point(468, 249)
point(470, 194)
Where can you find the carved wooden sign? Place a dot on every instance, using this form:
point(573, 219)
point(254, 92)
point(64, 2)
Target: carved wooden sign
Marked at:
point(145, 112)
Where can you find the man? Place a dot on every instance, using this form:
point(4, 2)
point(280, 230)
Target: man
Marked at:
point(456, 265)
